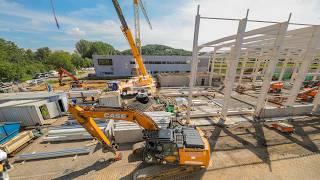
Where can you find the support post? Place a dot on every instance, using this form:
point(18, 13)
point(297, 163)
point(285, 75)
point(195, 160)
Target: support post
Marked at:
point(257, 66)
point(232, 66)
point(295, 71)
point(194, 64)
point(315, 77)
point(220, 66)
point(306, 62)
point(212, 67)
point(316, 102)
point(271, 67)
point(243, 66)
point(284, 66)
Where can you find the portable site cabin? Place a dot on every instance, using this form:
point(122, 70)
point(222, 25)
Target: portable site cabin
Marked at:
point(29, 112)
point(60, 98)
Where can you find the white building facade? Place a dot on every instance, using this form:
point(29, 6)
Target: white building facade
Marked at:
point(123, 66)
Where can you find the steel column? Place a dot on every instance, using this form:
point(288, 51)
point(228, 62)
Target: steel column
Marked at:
point(306, 62)
point(284, 66)
point(315, 77)
point(295, 71)
point(271, 67)
point(232, 66)
point(257, 66)
point(194, 64)
point(243, 66)
point(316, 101)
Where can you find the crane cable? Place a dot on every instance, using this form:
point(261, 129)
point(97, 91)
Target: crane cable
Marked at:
point(54, 14)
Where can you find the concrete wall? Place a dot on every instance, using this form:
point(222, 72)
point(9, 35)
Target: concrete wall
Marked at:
point(297, 110)
point(182, 80)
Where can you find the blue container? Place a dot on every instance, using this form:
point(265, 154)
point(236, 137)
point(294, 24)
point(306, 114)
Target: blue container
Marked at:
point(8, 130)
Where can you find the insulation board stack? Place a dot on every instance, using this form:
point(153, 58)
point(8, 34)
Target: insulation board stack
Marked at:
point(128, 132)
point(69, 133)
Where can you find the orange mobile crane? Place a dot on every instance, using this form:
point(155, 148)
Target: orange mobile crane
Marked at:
point(143, 79)
point(75, 83)
point(180, 145)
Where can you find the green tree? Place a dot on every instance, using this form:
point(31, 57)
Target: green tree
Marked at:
point(61, 59)
point(83, 48)
point(88, 48)
point(159, 50)
point(42, 54)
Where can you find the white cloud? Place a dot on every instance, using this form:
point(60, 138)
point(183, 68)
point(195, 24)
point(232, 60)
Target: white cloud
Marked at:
point(176, 29)
point(173, 29)
point(76, 32)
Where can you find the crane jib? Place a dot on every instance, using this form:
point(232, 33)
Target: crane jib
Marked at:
point(120, 14)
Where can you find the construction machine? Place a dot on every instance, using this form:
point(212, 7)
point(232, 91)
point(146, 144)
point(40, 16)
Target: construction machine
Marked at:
point(308, 94)
point(75, 83)
point(143, 80)
point(176, 144)
point(276, 87)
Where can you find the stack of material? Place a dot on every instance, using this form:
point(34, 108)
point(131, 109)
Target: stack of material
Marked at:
point(84, 93)
point(69, 133)
point(123, 131)
point(128, 132)
point(110, 99)
point(17, 142)
point(53, 154)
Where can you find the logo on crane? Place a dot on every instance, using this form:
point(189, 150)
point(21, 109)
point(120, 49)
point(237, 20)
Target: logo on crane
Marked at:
point(115, 116)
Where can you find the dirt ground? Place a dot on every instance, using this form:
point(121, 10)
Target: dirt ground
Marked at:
point(247, 151)
point(92, 84)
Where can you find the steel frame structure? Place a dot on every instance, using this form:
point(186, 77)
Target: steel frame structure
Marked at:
point(268, 46)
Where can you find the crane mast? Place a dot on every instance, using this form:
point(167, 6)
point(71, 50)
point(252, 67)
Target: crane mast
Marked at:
point(137, 24)
point(127, 33)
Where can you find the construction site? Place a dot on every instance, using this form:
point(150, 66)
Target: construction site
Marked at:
point(244, 106)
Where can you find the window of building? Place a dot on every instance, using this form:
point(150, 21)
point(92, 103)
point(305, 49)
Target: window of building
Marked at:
point(108, 73)
point(132, 62)
point(105, 62)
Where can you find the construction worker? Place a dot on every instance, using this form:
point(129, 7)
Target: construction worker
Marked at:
point(4, 166)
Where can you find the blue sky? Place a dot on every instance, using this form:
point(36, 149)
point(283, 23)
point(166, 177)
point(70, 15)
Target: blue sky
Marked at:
point(30, 23)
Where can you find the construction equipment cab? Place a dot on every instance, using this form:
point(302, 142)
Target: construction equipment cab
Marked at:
point(180, 145)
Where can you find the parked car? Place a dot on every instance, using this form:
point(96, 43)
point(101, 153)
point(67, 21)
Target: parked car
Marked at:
point(53, 73)
point(35, 81)
point(91, 75)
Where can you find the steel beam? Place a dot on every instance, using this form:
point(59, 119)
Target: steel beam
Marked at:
point(194, 64)
point(232, 66)
point(271, 67)
point(306, 62)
